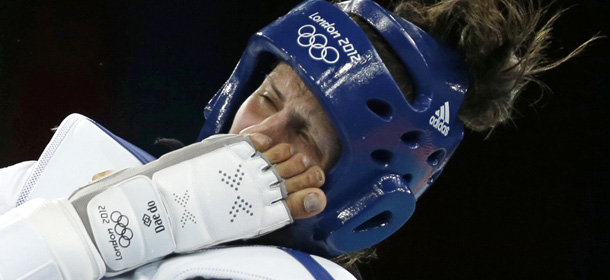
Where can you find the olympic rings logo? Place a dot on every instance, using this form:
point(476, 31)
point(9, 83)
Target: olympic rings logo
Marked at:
point(120, 228)
point(317, 44)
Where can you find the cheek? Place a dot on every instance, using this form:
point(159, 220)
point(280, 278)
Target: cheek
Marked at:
point(247, 115)
point(329, 142)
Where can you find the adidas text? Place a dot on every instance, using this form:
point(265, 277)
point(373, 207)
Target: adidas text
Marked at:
point(439, 125)
point(440, 119)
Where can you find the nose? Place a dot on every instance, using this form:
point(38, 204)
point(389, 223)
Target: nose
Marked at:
point(275, 126)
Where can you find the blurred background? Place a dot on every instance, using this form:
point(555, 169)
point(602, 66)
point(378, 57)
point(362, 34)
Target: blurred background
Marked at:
point(529, 202)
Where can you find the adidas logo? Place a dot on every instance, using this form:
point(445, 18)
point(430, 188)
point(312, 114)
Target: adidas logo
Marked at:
point(440, 119)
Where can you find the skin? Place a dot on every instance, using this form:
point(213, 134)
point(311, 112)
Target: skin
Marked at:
point(287, 124)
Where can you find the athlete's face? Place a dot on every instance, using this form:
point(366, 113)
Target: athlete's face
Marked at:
point(286, 111)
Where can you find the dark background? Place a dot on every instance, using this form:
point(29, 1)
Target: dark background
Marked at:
point(530, 202)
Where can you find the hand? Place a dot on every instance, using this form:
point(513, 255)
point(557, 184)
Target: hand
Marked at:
point(303, 181)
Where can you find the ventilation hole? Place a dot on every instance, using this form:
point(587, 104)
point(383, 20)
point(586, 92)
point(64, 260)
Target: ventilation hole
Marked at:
point(434, 176)
point(380, 108)
point(231, 220)
point(407, 177)
point(435, 158)
point(379, 220)
point(382, 157)
point(412, 139)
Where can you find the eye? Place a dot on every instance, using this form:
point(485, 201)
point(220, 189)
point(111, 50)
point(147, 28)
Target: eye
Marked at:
point(305, 137)
point(312, 146)
point(267, 100)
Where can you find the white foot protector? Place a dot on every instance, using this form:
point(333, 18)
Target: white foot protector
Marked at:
point(211, 192)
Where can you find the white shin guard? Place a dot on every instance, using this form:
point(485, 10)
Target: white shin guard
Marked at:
point(207, 193)
point(214, 191)
point(45, 239)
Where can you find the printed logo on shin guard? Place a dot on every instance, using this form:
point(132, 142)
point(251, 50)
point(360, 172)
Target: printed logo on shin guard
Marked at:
point(234, 180)
point(125, 234)
point(119, 233)
point(147, 220)
point(186, 214)
point(240, 204)
point(129, 224)
point(156, 217)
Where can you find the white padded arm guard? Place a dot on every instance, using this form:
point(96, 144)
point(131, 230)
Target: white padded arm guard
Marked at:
point(207, 193)
point(45, 239)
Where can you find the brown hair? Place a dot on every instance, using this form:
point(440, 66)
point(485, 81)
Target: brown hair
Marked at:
point(504, 44)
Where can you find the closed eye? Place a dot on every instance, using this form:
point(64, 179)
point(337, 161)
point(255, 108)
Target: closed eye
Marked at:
point(305, 137)
point(268, 100)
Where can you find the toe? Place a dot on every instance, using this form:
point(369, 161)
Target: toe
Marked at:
point(295, 165)
point(313, 177)
point(279, 153)
point(306, 203)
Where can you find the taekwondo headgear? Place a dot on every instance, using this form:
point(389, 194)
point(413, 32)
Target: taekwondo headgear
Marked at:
point(392, 149)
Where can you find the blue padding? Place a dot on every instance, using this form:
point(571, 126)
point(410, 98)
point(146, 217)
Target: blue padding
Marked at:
point(392, 149)
point(317, 271)
point(140, 154)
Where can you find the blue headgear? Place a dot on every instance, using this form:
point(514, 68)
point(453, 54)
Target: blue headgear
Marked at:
point(392, 150)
